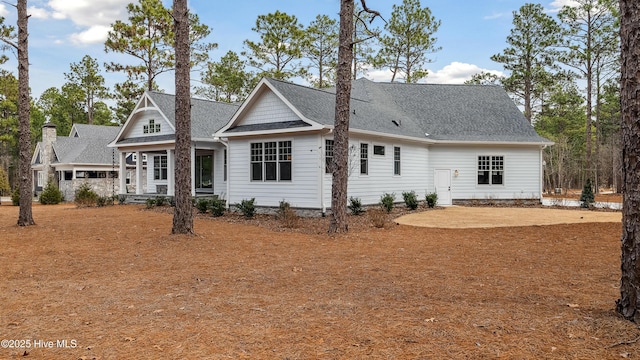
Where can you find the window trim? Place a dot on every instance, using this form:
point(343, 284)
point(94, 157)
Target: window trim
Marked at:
point(364, 160)
point(378, 147)
point(157, 166)
point(151, 127)
point(397, 161)
point(328, 156)
point(494, 166)
point(280, 153)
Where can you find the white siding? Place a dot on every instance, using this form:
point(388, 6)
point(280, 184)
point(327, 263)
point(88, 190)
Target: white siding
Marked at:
point(268, 109)
point(135, 129)
point(521, 171)
point(219, 184)
point(381, 179)
point(303, 189)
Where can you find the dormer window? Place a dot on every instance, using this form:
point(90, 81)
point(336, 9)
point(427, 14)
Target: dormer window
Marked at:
point(151, 128)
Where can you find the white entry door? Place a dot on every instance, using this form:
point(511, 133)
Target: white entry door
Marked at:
point(443, 186)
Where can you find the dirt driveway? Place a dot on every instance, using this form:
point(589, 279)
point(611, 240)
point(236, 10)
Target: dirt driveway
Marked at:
point(460, 217)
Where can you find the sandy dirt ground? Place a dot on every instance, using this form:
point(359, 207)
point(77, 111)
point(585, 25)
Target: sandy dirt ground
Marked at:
point(486, 217)
point(111, 283)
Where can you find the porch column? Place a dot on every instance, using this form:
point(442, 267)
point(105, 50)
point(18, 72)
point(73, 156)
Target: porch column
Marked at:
point(139, 173)
point(122, 176)
point(171, 175)
point(193, 170)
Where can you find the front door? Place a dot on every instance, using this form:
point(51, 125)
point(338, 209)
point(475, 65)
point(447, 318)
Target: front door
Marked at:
point(204, 172)
point(443, 186)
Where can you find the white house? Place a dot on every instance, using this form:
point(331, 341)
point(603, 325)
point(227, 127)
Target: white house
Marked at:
point(82, 157)
point(149, 133)
point(463, 142)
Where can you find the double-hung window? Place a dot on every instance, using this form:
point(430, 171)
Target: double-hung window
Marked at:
point(396, 160)
point(364, 159)
point(160, 167)
point(328, 156)
point(271, 161)
point(490, 170)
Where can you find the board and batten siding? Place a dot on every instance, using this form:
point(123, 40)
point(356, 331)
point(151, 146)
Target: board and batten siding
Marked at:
point(302, 191)
point(522, 177)
point(268, 108)
point(142, 119)
point(381, 178)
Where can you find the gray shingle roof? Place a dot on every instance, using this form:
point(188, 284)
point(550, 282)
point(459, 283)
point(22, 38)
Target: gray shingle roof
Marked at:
point(445, 112)
point(97, 131)
point(206, 116)
point(78, 150)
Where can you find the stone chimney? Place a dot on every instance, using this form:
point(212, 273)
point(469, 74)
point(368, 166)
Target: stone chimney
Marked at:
point(49, 135)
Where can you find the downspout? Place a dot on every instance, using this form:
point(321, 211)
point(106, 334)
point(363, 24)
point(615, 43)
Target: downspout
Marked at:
point(541, 183)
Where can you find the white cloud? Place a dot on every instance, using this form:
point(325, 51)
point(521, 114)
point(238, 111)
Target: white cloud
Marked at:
point(556, 5)
point(3, 10)
point(95, 34)
point(496, 16)
point(456, 73)
point(95, 17)
point(38, 13)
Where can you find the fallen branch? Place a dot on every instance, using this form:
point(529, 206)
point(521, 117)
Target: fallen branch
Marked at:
point(624, 343)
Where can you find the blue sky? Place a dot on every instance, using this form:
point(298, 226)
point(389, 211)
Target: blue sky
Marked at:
point(63, 31)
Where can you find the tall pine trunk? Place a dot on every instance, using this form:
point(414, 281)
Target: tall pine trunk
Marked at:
point(340, 174)
point(25, 178)
point(183, 211)
point(629, 303)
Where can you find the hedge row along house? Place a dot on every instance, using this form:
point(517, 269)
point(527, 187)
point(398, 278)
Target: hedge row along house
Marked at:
point(463, 142)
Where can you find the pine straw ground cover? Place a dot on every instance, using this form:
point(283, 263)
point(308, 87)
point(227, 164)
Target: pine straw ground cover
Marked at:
point(113, 281)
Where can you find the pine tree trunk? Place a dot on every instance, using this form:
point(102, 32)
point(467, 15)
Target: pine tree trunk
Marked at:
point(183, 211)
point(25, 217)
point(338, 223)
point(629, 303)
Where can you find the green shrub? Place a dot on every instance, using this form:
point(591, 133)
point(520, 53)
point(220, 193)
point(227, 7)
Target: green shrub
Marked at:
point(355, 206)
point(386, 201)
point(432, 199)
point(410, 199)
point(161, 201)
point(203, 204)
point(151, 203)
point(15, 197)
point(172, 201)
point(247, 207)
point(587, 198)
point(218, 207)
point(85, 196)
point(51, 195)
point(121, 199)
point(104, 201)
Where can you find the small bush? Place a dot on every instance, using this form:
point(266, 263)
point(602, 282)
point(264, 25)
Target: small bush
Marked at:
point(15, 197)
point(378, 217)
point(104, 201)
point(218, 207)
point(203, 204)
point(172, 201)
point(85, 196)
point(247, 207)
point(410, 199)
point(151, 203)
point(386, 201)
point(587, 198)
point(51, 195)
point(122, 199)
point(287, 215)
point(432, 199)
point(161, 201)
point(355, 206)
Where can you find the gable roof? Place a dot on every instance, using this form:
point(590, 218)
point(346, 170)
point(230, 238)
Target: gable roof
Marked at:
point(428, 112)
point(86, 144)
point(206, 116)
